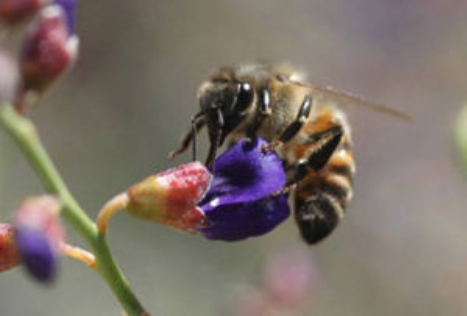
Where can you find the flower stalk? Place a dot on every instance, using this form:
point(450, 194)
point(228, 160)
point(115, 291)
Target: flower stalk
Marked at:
point(115, 205)
point(24, 133)
point(79, 254)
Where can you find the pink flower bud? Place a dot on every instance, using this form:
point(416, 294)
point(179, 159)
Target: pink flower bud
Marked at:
point(253, 302)
point(9, 257)
point(16, 11)
point(49, 49)
point(291, 278)
point(41, 213)
point(9, 77)
point(170, 197)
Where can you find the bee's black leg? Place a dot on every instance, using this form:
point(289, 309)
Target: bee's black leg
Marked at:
point(325, 144)
point(215, 134)
point(322, 146)
point(293, 128)
point(264, 111)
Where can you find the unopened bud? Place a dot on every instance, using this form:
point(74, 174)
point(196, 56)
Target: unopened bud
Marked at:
point(39, 235)
point(8, 252)
point(8, 78)
point(16, 11)
point(49, 49)
point(291, 278)
point(170, 197)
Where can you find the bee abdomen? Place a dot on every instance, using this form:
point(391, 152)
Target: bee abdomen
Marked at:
point(339, 187)
point(322, 197)
point(317, 217)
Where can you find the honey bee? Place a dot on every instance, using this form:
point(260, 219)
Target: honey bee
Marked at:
point(302, 123)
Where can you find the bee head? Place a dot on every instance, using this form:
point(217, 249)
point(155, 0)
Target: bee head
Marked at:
point(224, 104)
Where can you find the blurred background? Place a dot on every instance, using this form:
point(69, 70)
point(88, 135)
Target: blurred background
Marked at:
point(112, 121)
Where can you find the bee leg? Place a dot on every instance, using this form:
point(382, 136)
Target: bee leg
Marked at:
point(293, 128)
point(317, 216)
point(264, 111)
point(190, 135)
point(323, 145)
point(215, 135)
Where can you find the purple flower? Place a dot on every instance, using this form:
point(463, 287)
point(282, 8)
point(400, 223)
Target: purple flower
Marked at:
point(38, 255)
point(38, 235)
point(239, 203)
point(234, 201)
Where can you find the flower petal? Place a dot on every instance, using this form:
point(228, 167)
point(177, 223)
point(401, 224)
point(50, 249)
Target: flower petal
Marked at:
point(243, 174)
point(37, 254)
point(38, 235)
point(232, 222)
point(69, 8)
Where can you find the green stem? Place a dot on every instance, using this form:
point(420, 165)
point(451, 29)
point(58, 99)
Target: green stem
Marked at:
point(25, 135)
point(460, 137)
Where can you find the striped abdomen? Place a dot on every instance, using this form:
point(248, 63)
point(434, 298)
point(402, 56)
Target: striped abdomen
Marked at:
point(322, 196)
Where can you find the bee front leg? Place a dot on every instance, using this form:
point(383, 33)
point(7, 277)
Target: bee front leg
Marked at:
point(293, 128)
point(264, 111)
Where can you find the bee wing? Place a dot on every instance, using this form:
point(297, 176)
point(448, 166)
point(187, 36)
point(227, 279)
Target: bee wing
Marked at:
point(343, 98)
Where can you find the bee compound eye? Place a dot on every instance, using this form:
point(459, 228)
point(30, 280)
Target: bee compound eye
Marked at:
point(245, 96)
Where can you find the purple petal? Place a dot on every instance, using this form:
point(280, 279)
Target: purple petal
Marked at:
point(244, 174)
point(239, 221)
point(37, 254)
point(69, 8)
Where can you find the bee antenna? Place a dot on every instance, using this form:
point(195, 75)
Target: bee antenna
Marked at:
point(197, 122)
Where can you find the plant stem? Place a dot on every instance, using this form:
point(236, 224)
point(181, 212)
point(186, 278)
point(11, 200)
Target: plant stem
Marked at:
point(25, 136)
point(115, 205)
point(460, 137)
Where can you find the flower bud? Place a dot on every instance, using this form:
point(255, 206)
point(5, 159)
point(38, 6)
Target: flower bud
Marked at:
point(291, 278)
point(16, 11)
point(170, 197)
point(50, 47)
point(9, 78)
point(8, 252)
point(38, 235)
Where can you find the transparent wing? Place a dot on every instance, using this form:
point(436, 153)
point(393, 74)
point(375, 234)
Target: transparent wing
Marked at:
point(346, 98)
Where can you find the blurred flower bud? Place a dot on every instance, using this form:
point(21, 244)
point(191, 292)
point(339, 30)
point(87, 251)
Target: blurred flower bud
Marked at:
point(16, 11)
point(9, 77)
point(290, 278)
point(253, 302)
point(289, 282)
point(8, 252)
point(170, 197)
point(50, 47)
point(39, 235)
